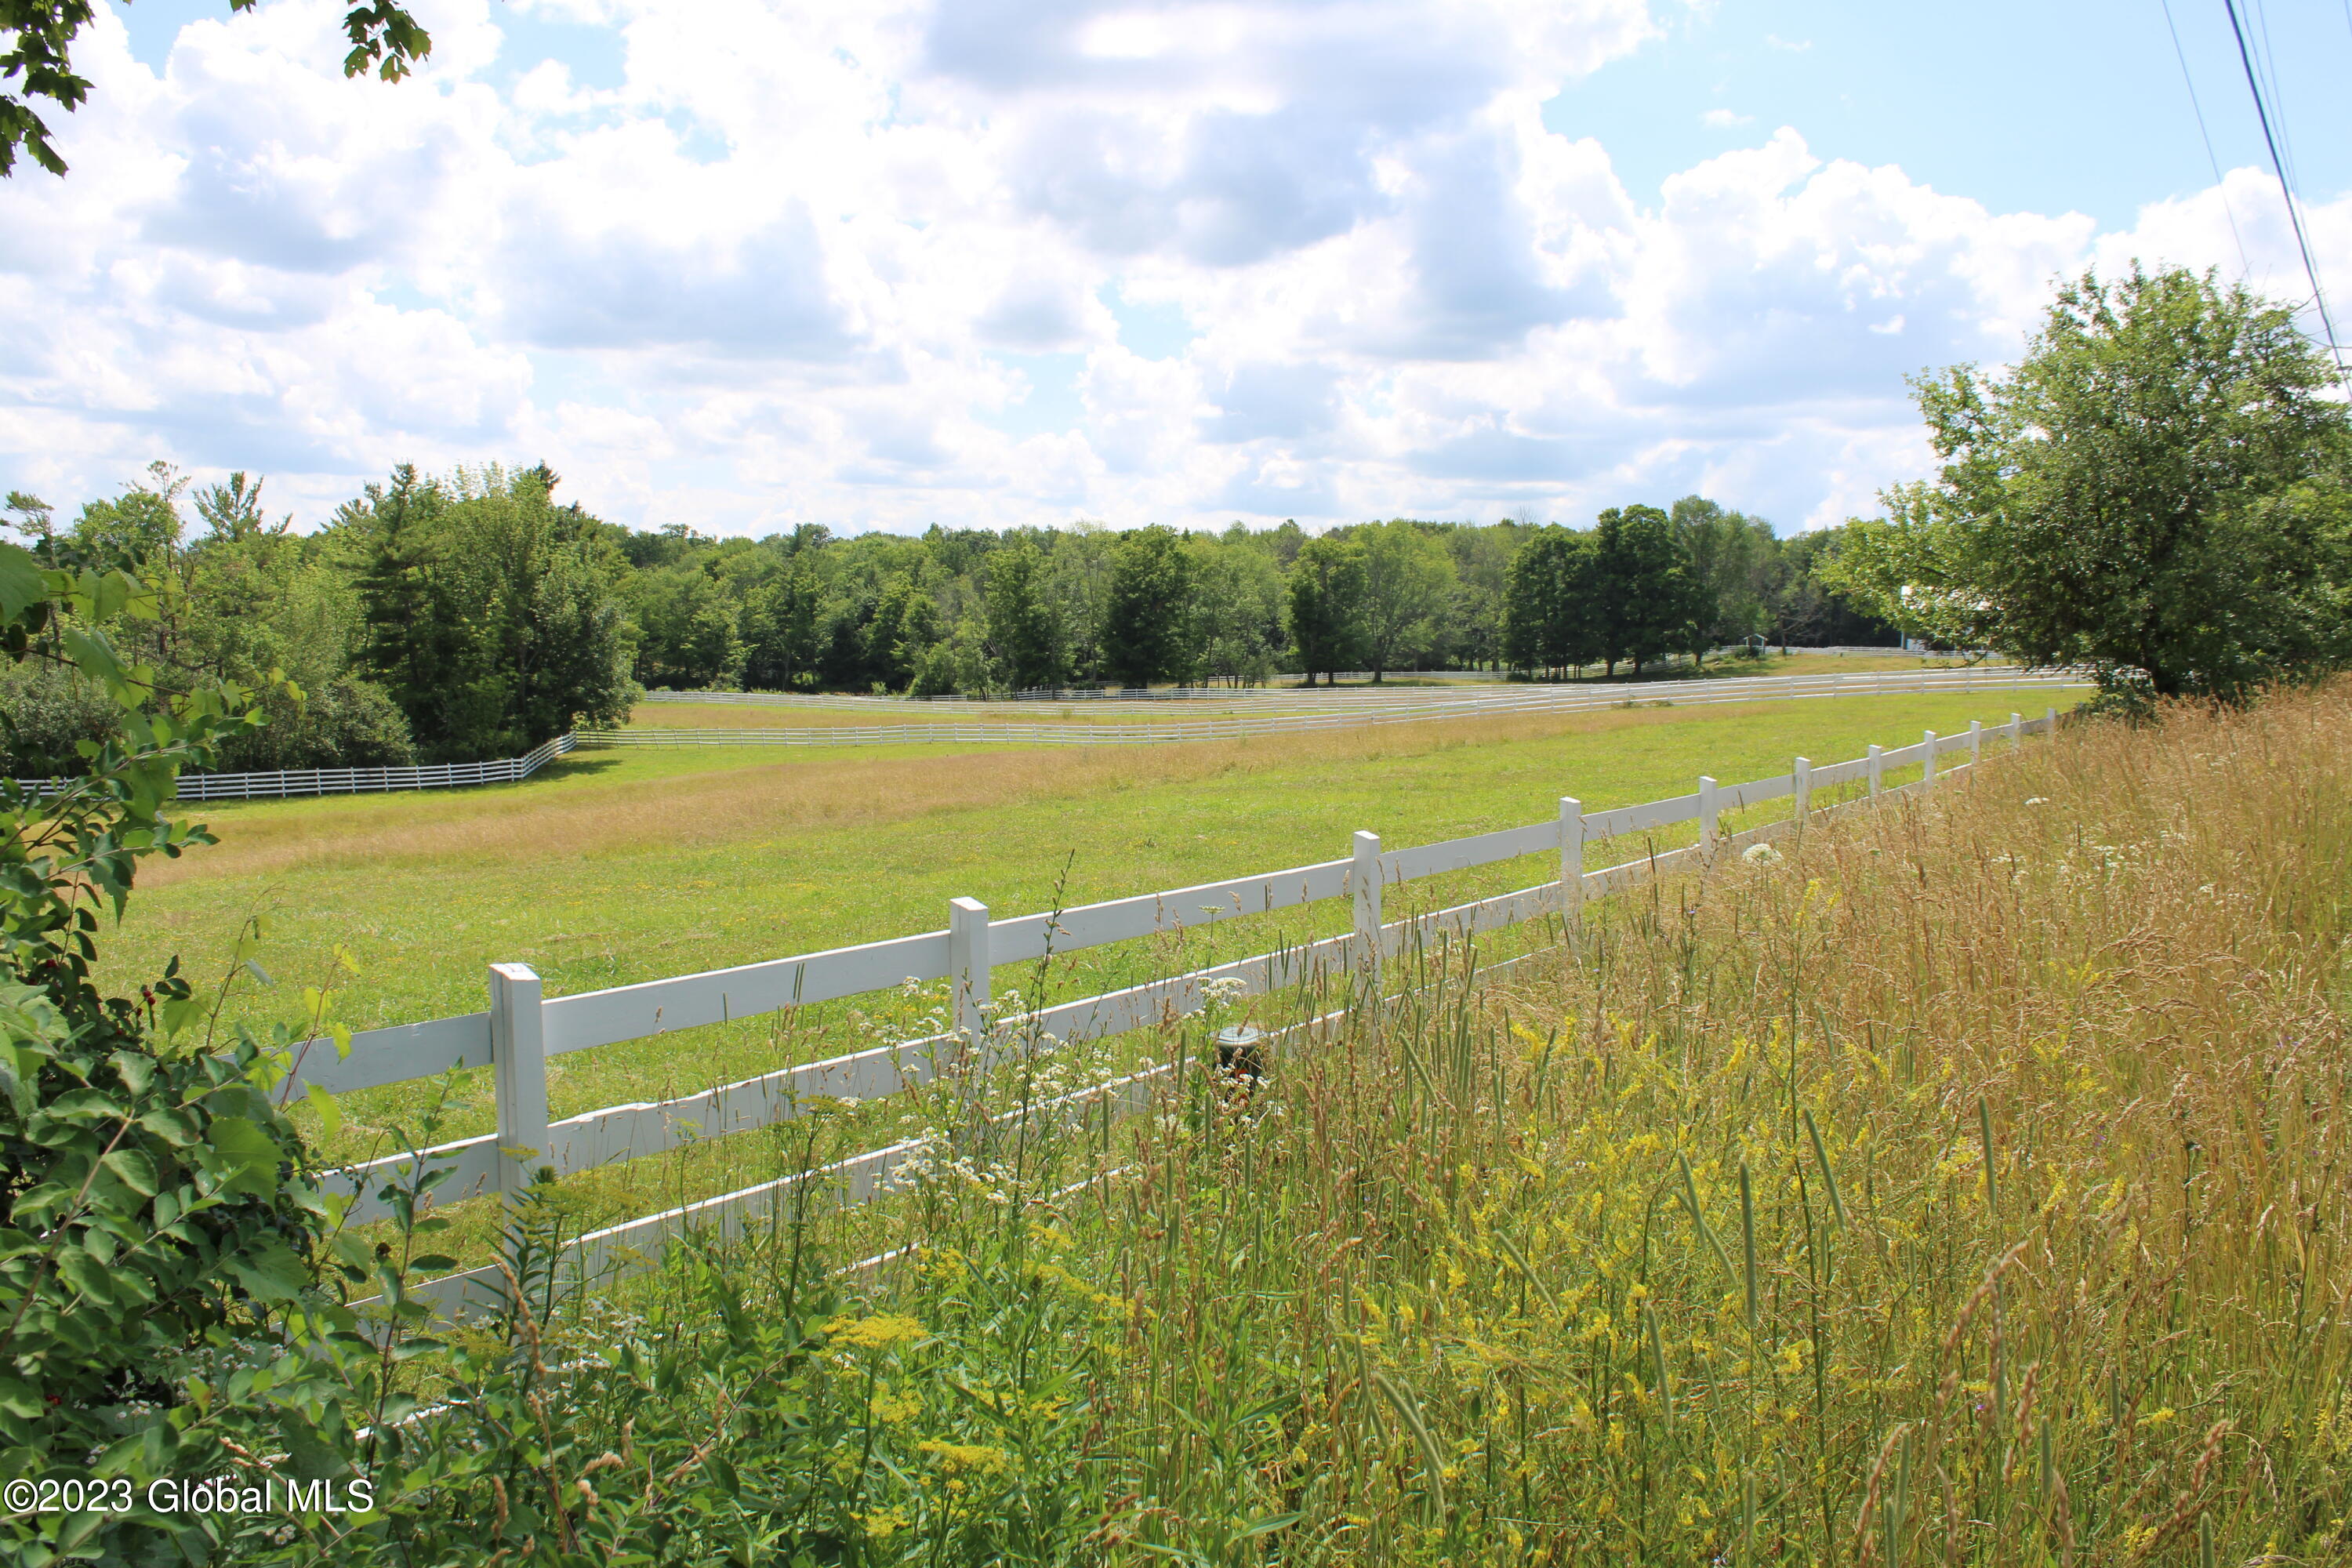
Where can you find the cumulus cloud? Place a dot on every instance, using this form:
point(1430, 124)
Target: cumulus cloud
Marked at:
point(869, 264)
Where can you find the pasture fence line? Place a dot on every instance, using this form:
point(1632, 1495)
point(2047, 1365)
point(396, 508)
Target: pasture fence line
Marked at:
point(294, 782)
point(1455, 689)
point(1402, 708)
point(522, 1026)
point(1322, 709)
point(1226, 689)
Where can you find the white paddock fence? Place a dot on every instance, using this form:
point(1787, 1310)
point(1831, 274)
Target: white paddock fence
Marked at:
point(353, 781)
point(1252, 713)
point(523, 1028)
point(1269, 715)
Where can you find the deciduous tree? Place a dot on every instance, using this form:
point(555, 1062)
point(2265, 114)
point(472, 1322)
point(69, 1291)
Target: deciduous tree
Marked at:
point(2157, 491)
point(1148, 611)
point(1326, 606)
point(1409, 582)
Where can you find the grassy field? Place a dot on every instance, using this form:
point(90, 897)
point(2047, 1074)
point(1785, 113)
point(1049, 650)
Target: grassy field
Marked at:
point(611, 868)
point(1964, 1187)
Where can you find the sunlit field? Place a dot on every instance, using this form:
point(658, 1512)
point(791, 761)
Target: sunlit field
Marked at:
point(619, 867)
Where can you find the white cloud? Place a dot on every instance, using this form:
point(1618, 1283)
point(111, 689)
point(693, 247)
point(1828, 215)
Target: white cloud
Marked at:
point(820, 260)
point(1725, 119)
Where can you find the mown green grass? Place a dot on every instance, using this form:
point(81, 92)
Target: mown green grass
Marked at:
point(622, 867)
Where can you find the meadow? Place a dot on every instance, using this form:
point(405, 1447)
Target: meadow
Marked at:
point(615, 867)
point(1962, 1185)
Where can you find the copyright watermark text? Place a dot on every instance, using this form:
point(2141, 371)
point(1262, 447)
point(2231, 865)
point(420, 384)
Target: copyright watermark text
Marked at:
point(232, 1495)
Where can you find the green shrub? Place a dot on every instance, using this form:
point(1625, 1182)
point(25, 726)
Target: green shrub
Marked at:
point(351, 723)
point(45, 713)
point(152, 1201)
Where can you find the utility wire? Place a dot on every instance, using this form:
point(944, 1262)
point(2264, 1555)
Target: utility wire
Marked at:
point(2245, 265)
point(2258, 24)
point(2294, 213)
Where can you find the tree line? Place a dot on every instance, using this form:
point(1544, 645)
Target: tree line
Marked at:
point(474, 614)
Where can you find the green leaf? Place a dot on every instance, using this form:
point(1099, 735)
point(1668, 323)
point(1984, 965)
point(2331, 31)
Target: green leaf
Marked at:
point(87, 1275)
point(137, 1172)
point(330, 1115)
point(22, 584)
point(267, 1269)
point(176, 1128)
point(245, 1156)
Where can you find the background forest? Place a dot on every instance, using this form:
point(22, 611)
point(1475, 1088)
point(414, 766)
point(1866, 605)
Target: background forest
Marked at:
point(474, 615)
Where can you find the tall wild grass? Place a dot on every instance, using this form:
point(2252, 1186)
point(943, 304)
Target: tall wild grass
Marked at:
point(1960, 1182)
point(1966, 1186)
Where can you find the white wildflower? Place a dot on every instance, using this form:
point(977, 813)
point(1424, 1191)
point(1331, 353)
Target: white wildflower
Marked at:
point(1761, 854)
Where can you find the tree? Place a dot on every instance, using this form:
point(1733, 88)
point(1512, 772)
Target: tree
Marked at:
point(1472, 628)
point(1236, 610)
point(1025, 637)
point(781, 628)
point(1730, 557)
point(1649, 602)
point(383, 36)
point(1149, 610)
point(1409, 582)
point(906, 624)
point(1551, 609)
point(2157, 491)
point(687, 636)
point(1326, 606)
point(1806, 610)
point(489, 616)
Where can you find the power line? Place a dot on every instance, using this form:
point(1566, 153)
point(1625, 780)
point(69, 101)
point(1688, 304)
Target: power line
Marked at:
point(2258, 23)
point(2294, 213)
point(2245, 265)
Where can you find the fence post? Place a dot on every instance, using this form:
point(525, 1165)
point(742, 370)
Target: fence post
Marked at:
point(967, 968)
point(1571, 859)
point(1928, 771)
point(2016, 731)
point(518, 1064)
point(1706, 814)
point(1877, 768)
point(1364, 881)
point(2050, 720)
point(1804, 772)
point(1976, 742)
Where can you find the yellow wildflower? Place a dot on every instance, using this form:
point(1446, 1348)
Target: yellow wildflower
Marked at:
point(966, 1456)
point(878, 1332)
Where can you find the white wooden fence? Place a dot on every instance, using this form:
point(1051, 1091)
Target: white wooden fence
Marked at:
point(523, 1028)
point(351, 781)
point(1320, 710)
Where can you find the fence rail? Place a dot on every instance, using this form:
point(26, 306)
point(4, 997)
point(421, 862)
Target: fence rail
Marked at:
point(1288, 712)
point(1411, 677)
point(1273, 716)
point(523, 1028)
point(351, 780)
point(1456, 690)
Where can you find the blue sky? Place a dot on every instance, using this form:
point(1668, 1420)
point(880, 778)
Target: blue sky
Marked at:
point(882, 263)
point(2078, 106)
